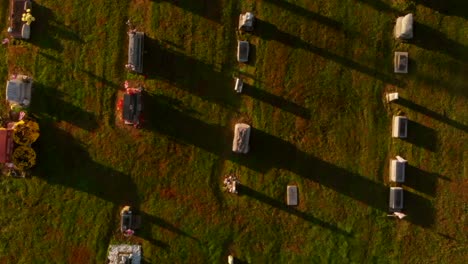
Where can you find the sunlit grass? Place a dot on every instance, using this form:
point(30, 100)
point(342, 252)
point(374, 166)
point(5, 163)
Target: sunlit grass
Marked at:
point(314, 95)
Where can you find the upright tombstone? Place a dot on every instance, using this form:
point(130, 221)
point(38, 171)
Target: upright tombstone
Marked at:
point(132, 106)
point(400, 127)
point(26, 31)
point(391, 97)
point(135, 51)
point(239, 85)
point(395, 203)
point(404, 27)
point(126, 219)
point(240, 143)
point(397, 169)
point(124, 254)
point(129, 222)
point(292, 195)
point(20, 19)
point(243, 48)
point(400, 62)
point(18, 90)
point(246, 21)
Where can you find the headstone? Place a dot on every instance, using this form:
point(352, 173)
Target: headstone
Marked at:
point(401, 62)
point(241, 139)
point(246, 21)
point(392, 97)
point(404, 27)
point(397, 169)
point(292, 195)
point(399, 126)
point(239, 85)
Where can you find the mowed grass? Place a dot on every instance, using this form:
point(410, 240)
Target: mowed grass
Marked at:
point(314, 95)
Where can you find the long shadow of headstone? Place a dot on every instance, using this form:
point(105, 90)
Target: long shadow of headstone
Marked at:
point(447, 7)
point(276, 101)
point(64, 160)
point(189, 74)
point(420, 210)
point(271, 32)
point(160, 222)
point(268, 152)
point(422, 136)
point(423, 110)
point(380, 6)
point(421, 180)
point(298, 10)
point(44, 18)
point(210, 9)
point(431, 39)
point(245, 190)
point(49, 102)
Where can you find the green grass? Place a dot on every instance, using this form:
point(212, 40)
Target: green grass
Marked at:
point(314, 96)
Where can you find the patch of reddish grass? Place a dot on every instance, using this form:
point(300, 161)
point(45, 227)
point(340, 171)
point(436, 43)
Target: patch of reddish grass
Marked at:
point(80, 255)
point(167, 193)
point(53, 234)
point(18, 53)
point(7, 259)
point(278, 71)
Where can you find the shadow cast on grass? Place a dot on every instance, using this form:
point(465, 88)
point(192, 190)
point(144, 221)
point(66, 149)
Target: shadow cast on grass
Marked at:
point(420, 180)
point(271, 32)
point(50, 57)
point(65, 161)
point(244, 190)
point(447, 7)
point(298, 10)
point(422, 136)
point(155, 242)
point(276, 101)
point(252, 58)
point(47, 32)
point(380, 6)
point(102, 79)
point(419, 210)
point(49, 102)
point(165, 117)
point(214, 182)
point(41, 34)
point(267, 152)
point(145, 232)
point(239, 261)
point(453, 81)
point(150, 220)
point(430, 39)
point(454, 86)
point(423, 110)
point(209, 9)
point(189, 74)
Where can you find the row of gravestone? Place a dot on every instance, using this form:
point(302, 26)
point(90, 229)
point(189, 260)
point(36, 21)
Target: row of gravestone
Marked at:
point(403, 31)
point(241, 139)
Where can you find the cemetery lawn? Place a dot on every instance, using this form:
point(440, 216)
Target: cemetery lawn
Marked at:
point(314, 95)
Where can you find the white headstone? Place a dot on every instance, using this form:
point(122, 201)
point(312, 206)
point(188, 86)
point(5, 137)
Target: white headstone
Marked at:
point(392, 97)
point(404, 27)
point(399, 215)
point(239, 85)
